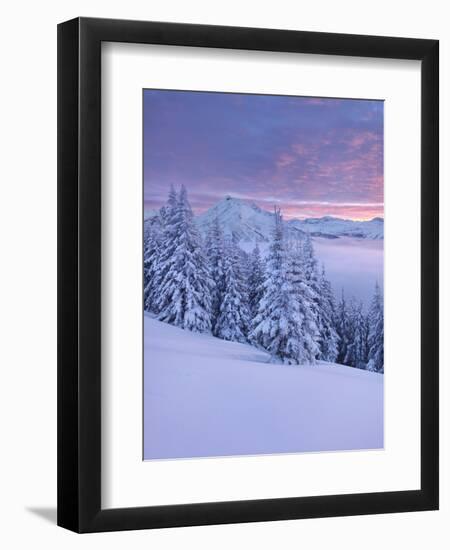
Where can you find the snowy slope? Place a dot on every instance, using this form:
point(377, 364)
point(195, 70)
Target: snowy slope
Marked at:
point(208, 397)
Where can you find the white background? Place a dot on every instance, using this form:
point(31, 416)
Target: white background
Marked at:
point(28, 288)
point(127, 480)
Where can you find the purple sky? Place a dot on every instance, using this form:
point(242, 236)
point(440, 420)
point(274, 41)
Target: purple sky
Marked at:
point(310, 156)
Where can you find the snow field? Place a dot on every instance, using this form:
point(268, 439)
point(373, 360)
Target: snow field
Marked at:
point(206, 397)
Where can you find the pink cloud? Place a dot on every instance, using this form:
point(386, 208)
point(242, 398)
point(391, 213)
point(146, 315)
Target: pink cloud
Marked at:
point(285, 159)
point(300, 149)
point(362, 138)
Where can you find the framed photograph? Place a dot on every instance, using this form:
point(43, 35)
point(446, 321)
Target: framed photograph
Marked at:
point(248, 275)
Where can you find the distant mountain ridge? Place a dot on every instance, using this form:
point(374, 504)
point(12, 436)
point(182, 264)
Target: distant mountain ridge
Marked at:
point(337, 227)
point(248, 222)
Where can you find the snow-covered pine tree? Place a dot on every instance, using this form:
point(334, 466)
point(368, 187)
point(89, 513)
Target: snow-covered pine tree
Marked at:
point(234, 318)
point(167, 216)
point(214, 248)
point(151, 256)
point(322, 303)
point(312, 278)
point(357, 348)
point(244, 274)
point(328, 336)
point(185, 291)
point(277, 326)
point(147, 258)
point(255, 280)
point(153, 234)
point(351, 321)
point(376, 333)
point(342, 329)
point(304, 296)
point(366, 334)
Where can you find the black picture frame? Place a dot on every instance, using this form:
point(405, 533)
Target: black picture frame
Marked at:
point(79, 274)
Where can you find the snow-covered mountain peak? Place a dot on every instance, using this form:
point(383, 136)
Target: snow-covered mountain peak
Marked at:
point(230, 203)
point(248, 222)
point(244, 220)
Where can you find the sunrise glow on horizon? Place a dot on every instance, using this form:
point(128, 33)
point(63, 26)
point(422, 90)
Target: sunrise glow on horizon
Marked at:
point(312, 157)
